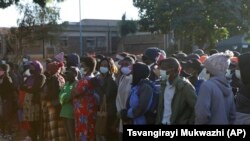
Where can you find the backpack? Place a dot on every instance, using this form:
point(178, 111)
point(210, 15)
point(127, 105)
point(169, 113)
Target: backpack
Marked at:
point(152, 109)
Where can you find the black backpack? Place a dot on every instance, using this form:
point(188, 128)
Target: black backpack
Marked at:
point(151, 112)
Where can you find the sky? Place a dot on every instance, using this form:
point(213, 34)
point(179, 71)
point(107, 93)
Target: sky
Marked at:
point(90, 9)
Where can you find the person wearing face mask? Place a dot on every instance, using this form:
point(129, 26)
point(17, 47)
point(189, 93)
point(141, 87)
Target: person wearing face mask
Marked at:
point(150, 58)
point(33, 87)
point(242, 99)
point(105, 84)
point(193, 67)
point(124, 87)
point(141, 96)
point(88, 66)
point(7, 96)
point(215, 103)
point(177, 95)
point(85, 102)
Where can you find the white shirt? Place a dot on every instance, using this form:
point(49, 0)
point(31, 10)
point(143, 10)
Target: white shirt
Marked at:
point(168, 97)
point(123, 94)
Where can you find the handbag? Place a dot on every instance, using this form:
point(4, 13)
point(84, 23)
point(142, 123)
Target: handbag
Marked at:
point(101, 119)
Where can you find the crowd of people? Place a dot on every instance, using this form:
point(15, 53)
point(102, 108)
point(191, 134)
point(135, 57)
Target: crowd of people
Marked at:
point(73, 98)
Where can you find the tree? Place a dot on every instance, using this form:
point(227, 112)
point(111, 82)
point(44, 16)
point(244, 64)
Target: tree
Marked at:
point(41, 3)
point(197, 22)
point(36, 24)
point(126, 27)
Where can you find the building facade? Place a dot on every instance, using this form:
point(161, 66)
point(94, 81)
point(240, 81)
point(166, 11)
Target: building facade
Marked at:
point(99, 36)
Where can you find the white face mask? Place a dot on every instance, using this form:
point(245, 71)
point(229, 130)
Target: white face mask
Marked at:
point(104, 70)
point(82, 71)
point(27, 72)
point(204, 75)
point(228, 74)
point(3, 62)
point(126, 70)
point(237, 74)
point(25, 60)
point(163, 74)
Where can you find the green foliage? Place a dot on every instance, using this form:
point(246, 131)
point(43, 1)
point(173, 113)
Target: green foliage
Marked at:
point(35, 24)
point(41, 3)
point(7, 3)
point(127, 26)
point(196, 21)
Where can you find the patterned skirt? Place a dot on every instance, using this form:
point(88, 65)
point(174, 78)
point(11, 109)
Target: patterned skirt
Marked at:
point(31, 110)
point(53, 126)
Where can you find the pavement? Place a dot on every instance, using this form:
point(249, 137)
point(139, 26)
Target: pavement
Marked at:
point(19, 136)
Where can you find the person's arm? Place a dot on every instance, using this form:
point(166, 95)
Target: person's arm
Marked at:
point(191, 98)
point(54, 89)
point(202, 107)
point(145, 93)
point(65, 96)
point(232, 112)
point(37, 86)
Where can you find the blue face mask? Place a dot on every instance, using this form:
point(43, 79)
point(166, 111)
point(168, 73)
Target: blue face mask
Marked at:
point(104, 70)
point(126, 70)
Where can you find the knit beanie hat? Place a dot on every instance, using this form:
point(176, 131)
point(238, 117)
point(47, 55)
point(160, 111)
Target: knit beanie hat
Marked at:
point(217, 64)
point(59, 57)
point(152, 53)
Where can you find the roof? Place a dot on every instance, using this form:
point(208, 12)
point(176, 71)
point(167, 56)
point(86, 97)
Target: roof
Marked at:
point(100, 22)
point(233, 41)
point(4, 30)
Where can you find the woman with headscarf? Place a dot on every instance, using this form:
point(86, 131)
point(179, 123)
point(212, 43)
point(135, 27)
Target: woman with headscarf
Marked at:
point(51, 107)
point(33, 87)
point(140, 96)
point(105, 85)
point(7, 95)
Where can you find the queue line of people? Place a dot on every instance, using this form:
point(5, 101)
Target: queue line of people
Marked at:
point(64, 101)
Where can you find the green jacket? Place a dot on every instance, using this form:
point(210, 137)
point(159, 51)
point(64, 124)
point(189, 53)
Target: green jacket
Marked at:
point(183, 102)
point(66, 101)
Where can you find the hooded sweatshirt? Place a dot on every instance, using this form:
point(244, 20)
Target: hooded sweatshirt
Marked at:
point(215, 103)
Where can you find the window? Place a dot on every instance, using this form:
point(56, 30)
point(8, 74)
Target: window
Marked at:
point(90, 42)
point(100, 42)
point(64, 41)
